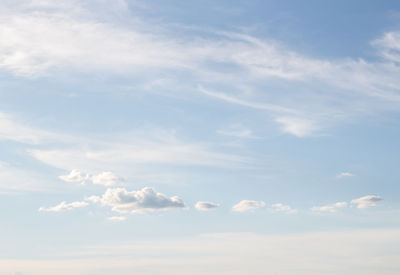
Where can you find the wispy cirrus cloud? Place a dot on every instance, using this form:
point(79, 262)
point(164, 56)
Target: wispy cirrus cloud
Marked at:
point(42, 39)
point(389, 45)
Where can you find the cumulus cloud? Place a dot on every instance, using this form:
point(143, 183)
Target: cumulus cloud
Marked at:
point(206, 205)
point(279, 207)
point(367, 201)
point(106, 179)
point(144, 200)
point(246, 205)
point(332, 208)
point(74, 176)
point(63, 206)
point(344, 175)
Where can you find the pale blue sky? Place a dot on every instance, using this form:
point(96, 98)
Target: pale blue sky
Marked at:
point(151, 137)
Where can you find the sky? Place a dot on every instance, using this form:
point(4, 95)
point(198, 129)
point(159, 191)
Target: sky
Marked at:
point(199, 137)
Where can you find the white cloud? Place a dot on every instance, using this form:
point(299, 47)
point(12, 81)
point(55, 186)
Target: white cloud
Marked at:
point(117, 218)
point(206, 205)
point(332, 208)
point(75, 176)
point(279, 207)
point(367, 201)
point(389, 45)
point(254, 105)
point(152, 146)
point(298, 127)
point(106, 179)
point(144, 200)
point(246, 205)
point(46, 39)
point(63, 206)
point(345, 175)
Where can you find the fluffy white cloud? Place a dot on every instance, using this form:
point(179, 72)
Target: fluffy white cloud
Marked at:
point(106, 179)
point(246, 205)
point(206, 205)
point(279, 207)
point(329, 208)
point(63, 206)
point(144, 200)
point(345, 175)
point(367, 201)
point(74, 176)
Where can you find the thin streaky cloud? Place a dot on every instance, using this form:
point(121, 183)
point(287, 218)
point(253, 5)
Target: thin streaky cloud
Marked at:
point(254, 105)
point(63, 206)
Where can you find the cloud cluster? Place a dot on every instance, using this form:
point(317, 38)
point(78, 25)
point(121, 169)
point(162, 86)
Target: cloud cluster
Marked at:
point(362, 202)
point(145, 200)
point(103, 178)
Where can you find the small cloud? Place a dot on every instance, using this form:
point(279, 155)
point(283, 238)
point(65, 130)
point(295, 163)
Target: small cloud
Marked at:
point(117, 218)
point(63, 206)
point(367, 201)
point(206, 205)
point(344, 175)
point(103, 178)
point(75, 176)
point(298, 127)
point(279, 207)
point(246, 205)
point(106, 179)
point(141, 201)
point(332, 208)
point(237, 130)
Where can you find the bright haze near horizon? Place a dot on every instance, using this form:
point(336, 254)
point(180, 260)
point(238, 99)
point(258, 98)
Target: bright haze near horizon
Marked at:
point(199, 137)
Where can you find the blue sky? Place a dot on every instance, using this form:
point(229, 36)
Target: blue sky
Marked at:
point(183, 137)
